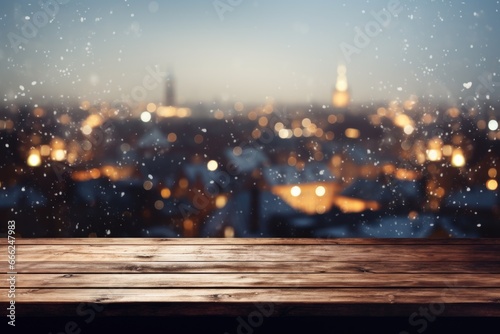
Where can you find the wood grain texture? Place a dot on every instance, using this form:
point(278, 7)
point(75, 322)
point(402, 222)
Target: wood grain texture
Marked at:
point(250, 281)
point(138, 267)
point(258, 253)
point(309, 276)
point(273, 295)
point(251, 241)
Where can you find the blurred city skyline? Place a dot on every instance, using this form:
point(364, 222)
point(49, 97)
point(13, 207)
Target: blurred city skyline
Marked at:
point(247, 50)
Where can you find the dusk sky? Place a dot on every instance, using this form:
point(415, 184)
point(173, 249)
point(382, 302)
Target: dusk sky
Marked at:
point(288, 50)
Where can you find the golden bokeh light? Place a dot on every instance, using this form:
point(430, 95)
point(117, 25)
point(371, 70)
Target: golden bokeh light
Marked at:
point(212, 165)
point(34, 159)
point(352, 133)
point(492, 185)
point(458, 158)
point(220, 201)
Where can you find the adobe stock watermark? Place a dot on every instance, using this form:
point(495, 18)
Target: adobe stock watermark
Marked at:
point(223, 6)
point(255, 319)
point(372, 29)
point(150, 82)
point(32, 24)
point(86, 310)
point(421, 319)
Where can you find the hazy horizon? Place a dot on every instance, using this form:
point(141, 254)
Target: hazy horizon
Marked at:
point(247, 52)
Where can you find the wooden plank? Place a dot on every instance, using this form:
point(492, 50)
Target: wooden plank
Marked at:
point(385, 253)
point(275, 295)
point(138, 267)
point(360, 280)
point(344, 275)
point(229, 309)
point(251, 241)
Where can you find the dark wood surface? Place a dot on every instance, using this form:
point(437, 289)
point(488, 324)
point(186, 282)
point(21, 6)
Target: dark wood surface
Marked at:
point(303, 277)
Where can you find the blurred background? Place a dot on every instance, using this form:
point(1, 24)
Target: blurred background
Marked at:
point(250, 118)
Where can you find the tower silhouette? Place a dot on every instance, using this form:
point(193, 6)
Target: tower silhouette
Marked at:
point(170, 90)
point(341, 96)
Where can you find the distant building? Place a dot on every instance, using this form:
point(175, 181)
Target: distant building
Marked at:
point(341, 96)
point(170, 91)
point(312, 190)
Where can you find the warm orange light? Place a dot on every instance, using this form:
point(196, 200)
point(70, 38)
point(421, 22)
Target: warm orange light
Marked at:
point(402, 120)
point(492, 185)
point(172, 137)
point(220, 201)
point(320, 191)
point(278, 126)
point(352, 133)
point(454, 112)
point(388, 169)
point(164, 111)
point(45, 150)
point(285, 133)
point(183, 112)
point(183, 183)
point(295, 191)
point(34, 159)
point(147, 185)
point(93, 120)
point(492, 172)
point(38, 112)
point(447, 150)
point(458, 159)
point(332, 119)
point(188, 225)
point(252, 115)
point(406, 174)
point(229, 232)
point(354, 205)
point(85, 105)
point(340, 99)
point(198, 139)
point(481, 124)
point(239, 106)
point(95, 173)
point(310, 198)
point(165, 193)
point(219, 114)
point(263, 121)
point(297, 132)
point(434, 154)
point(116, 173)
point(151, 107)
point(58, 155)
point(440, 192)
point(256, 133)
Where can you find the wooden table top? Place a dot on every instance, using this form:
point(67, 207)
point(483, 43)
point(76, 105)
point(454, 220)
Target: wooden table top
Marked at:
point(298, 276)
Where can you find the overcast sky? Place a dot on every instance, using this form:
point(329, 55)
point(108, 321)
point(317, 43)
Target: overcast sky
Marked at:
point(288, 50)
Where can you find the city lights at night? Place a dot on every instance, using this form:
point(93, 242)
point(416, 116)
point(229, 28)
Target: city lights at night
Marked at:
point(162, 119)
point(247, 166)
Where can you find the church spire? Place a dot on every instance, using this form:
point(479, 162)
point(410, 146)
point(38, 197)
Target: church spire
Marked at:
point(341, 96)
point(170, 91)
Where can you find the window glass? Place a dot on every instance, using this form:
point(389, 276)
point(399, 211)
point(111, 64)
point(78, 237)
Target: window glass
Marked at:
point(239, 118)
